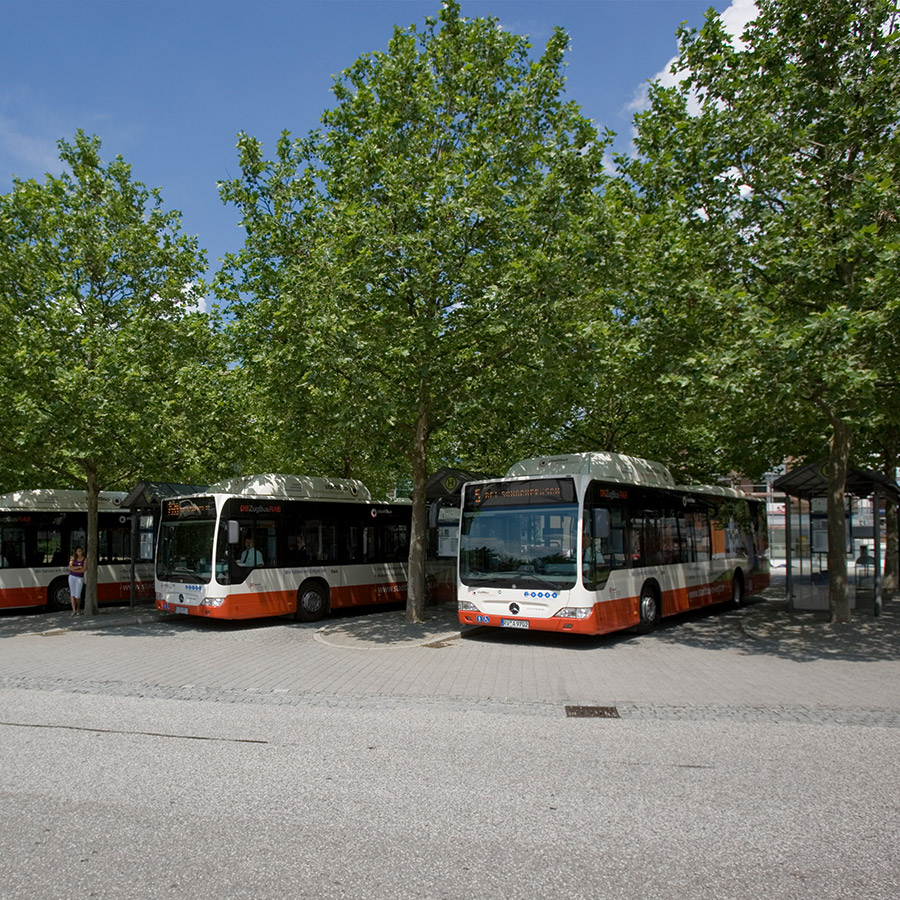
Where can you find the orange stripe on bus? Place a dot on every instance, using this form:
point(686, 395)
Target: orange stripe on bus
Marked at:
point(281, 603)
point(10, 598)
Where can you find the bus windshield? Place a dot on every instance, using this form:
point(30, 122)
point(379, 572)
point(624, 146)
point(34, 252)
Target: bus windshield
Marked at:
point(518, 545)
point(185, 551)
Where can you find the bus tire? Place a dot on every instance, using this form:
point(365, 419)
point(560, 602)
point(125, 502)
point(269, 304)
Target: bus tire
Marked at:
point(737, 589)
point(312, 601)
point(649, 608)
point(58, 595)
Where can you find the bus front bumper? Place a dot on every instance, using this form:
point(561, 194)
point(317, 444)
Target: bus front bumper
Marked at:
point(582, 625)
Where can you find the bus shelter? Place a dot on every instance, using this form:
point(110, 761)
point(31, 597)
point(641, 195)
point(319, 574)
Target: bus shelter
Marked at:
point(809, 482)
point(145, 501)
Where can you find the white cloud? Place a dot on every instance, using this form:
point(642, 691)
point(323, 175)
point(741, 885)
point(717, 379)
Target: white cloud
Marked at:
point(735, 19)
point(194, 300)
point(609, 163)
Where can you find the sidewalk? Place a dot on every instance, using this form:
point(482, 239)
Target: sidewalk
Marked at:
point(36, 622)
point(764, 621)
point(373, 629)
point(389, 630)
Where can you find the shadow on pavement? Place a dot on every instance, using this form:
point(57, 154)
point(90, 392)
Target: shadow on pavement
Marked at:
point(382, 624)
point(36, 620)
point(387, 626)
point(766, 627)
point(761, 627)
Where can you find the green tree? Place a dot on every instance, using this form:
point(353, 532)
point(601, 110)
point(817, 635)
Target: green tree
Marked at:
point(781, 158)
point(414, 264)
point(108, 369)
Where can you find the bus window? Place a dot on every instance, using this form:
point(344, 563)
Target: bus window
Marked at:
point(395, 537)
point(115, 544)
point(352, 544)
point(698, 525)
point(297, 554)
point(320, 540)
point(258, 545)
point(49, 547)
point(646, 538)
point(685, 547)
point(370, 554)
point(603, 545)
point(671, 550)
point(77, 538)
point(12, 547)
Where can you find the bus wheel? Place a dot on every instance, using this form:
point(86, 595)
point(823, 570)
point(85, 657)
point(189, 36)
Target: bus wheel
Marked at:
point(58, 594)
point(649, 608)
point(737, 589)
point(311, 602)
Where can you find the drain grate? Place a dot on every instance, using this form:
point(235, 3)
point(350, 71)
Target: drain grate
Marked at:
point(592, 712)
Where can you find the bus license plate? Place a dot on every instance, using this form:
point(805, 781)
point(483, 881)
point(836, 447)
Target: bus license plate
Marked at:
point(513, 623)
point(182, 609)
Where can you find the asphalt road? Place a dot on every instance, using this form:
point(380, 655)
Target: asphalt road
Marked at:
point(755, 756)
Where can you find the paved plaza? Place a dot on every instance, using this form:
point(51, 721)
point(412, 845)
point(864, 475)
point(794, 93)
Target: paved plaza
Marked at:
point(758, 663)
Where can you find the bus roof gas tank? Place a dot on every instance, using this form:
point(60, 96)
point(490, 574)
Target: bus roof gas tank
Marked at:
point(48, 500)
point(293, 487)
point(610, 467)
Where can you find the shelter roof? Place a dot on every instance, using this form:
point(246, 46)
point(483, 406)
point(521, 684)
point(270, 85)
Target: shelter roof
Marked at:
point(447, 482)
point(810, 481)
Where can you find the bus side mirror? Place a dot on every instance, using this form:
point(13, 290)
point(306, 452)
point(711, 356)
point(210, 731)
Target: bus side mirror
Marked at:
point(234, 531)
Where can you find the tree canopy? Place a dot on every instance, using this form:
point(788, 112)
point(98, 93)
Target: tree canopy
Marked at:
point(108, 367)
point(780, 155)
point(414, 263)
point(447, 272)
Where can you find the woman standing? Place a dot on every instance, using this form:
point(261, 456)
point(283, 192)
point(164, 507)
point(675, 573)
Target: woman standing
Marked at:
point(77, 566)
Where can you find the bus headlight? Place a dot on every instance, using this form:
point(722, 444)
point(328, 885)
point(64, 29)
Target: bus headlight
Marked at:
point(574, 612)
point(468, 607)
point(215, 602)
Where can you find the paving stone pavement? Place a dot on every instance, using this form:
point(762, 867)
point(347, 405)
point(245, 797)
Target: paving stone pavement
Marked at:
point(760, 663)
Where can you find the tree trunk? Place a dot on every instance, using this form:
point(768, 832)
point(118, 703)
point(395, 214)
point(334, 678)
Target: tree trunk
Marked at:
point(838, 462)
point(415, 596)
point(91, 606)
point(892, 556)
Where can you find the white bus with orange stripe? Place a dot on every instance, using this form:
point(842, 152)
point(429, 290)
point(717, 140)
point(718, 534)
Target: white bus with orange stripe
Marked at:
point(39, 531)
point(591, 543)
point(274, 545)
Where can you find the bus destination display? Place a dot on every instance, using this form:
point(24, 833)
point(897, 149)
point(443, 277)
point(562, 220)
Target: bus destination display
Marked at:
point(536, 492)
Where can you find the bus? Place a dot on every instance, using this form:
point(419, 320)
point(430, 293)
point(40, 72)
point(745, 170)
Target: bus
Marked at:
point(39, 531)
point(591, 543)
point(277, 545)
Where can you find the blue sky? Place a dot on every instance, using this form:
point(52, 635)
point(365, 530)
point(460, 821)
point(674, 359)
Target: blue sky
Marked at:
point(168, 84)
